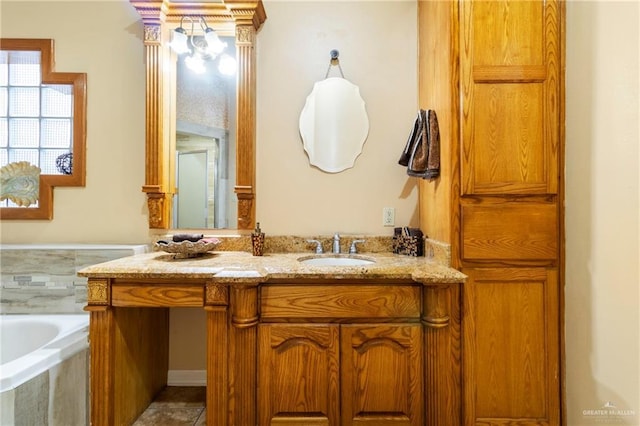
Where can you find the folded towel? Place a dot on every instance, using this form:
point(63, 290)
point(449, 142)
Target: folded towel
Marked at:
point(177, 238)
point(421, 154)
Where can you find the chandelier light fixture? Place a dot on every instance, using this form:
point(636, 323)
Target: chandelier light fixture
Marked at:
point(199, 48)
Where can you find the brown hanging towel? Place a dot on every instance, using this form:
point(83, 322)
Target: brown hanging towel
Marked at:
point(422, 152)
point(414, 138)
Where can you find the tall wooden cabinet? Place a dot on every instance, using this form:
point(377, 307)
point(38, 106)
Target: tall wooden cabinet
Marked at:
point(494, 73)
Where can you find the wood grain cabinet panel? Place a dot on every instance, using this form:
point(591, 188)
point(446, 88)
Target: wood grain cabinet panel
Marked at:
point(510, 83)
point(508, 32)
point(507, 147)
point(321, 374)
point(340, 301)
point(298, 374)
point(512, 364)
point(381, 371)
point(511, 231)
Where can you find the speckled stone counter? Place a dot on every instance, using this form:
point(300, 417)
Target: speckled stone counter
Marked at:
point(237, 265)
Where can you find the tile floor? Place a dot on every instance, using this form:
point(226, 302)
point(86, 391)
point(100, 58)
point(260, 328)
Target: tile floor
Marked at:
point(176, 406)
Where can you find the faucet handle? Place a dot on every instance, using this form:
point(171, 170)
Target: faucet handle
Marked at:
point(352, 249)
point(318, 246)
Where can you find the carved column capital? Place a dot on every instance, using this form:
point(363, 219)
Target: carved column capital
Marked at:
point(216, 294)
point(98, 292)
point(152, 34)
point(245, 35)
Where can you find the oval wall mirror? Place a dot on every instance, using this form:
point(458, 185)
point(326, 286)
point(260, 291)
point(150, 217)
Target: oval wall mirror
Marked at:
point(334, 124)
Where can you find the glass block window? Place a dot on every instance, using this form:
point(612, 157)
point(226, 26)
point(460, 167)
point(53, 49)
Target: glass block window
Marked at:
point(36, 119)
point(42, 128)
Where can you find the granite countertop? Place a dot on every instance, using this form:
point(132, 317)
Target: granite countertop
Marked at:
point(240, 266)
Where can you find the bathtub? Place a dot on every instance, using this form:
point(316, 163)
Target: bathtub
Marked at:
point(43, 369)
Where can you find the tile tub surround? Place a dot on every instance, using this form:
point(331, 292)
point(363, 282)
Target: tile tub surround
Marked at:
point(42, 278)
point(58, 396)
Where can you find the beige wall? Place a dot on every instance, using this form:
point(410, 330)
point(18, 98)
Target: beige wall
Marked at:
point(104, 40)
point(377, 42)
point(602, 324)
point(602, 211)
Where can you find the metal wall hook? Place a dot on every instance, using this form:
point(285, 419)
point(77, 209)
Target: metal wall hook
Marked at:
point(334, 61)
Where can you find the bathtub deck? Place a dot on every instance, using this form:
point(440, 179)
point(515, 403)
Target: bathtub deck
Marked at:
point(176, 406)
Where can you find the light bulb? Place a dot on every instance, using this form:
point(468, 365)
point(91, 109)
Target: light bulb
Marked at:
point(227, 65)
point(195, 63)
point(214, 44)
point(179, 41)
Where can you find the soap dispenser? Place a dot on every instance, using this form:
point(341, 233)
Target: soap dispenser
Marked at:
point(257, 241)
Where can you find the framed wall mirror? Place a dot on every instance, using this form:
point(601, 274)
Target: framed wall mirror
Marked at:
point(200, 128)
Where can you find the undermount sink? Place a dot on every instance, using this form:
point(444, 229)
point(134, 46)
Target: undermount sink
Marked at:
point(336, 260)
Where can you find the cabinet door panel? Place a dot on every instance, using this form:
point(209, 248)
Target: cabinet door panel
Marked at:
point(381, 372)
point(509, 231)
point(509, 75)
point(511, 346)
point(508, 32)
point(298, 374)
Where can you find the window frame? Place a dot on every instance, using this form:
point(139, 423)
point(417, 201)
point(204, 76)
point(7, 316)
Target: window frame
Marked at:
point(79, 83)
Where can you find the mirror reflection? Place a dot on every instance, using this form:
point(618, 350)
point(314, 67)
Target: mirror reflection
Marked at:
point(205, 147)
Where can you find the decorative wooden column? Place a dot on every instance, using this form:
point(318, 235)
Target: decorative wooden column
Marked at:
point(243, 347)
point(248, 17)
point(442, 351)
point(101, 352)
point(245, 159)
point(217, 308)
point(156, 185)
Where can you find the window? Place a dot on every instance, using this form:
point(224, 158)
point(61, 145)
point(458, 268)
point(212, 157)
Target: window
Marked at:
point(42, 125)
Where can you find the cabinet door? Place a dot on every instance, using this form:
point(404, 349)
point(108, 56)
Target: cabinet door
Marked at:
point(381, 374)
point(510, 328)
point(510, 79)
point(298, 374)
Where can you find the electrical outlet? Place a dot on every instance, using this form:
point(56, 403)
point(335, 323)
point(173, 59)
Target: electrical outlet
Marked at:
point(388, 216)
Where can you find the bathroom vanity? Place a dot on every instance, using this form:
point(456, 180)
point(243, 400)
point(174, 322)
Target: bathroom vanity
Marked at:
point(288, 343)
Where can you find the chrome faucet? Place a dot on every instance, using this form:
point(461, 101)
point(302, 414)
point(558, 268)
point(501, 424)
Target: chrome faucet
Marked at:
point(336, 243)
point(353, 249)
point(318, 246)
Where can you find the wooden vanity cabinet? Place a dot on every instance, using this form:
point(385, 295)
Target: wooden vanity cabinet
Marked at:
point(332, 352)
point(352, 356)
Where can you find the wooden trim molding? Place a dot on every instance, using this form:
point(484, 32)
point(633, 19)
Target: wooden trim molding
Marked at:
point(44, 211)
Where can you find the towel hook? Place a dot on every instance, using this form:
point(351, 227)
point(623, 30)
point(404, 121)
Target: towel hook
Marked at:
point(334, 61)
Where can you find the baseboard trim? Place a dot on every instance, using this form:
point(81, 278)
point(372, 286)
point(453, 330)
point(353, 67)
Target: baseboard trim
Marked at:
point(187, 378)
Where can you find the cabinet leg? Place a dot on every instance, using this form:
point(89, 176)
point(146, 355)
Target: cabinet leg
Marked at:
point(101, 348)
point(217, 366)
